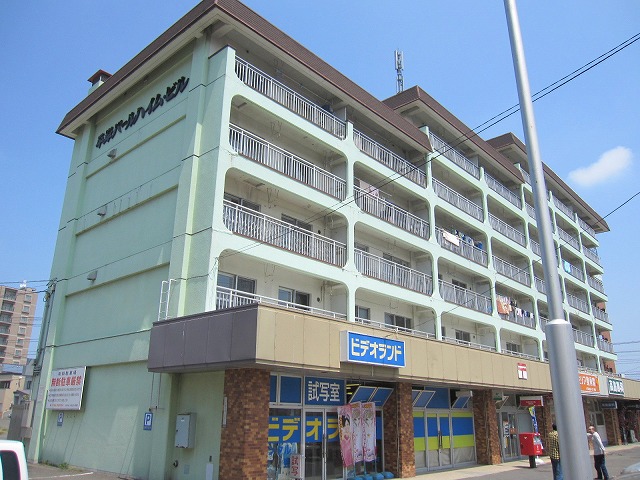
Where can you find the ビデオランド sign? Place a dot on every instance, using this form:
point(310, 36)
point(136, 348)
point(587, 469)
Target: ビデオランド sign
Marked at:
point(172, 92)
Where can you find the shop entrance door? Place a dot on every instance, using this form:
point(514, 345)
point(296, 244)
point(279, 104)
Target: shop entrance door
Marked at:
point(322, 458)
point(439, 440)
point(509, 436)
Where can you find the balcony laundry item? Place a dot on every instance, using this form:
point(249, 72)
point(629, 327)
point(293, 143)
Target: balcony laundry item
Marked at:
point(567, 266)
point(519, 312)
point(451, 238)
point(503, 304)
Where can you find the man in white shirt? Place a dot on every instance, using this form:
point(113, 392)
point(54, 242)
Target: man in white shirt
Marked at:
point(598, 453)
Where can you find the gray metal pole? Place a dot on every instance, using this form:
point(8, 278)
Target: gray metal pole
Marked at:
point(575, 461)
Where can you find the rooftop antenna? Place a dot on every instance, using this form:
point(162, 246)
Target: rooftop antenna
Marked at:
point(399, 67)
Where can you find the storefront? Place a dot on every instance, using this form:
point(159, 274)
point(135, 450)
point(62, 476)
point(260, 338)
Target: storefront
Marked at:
point(513, 419)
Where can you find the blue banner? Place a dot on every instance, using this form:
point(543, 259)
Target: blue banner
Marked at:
point(360, 348)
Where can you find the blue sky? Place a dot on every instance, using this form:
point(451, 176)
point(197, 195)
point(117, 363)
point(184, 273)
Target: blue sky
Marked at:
point(458, 51)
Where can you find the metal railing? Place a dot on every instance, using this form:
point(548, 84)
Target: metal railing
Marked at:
point(230, 298)
point(462, 248)
point(595, 283)
point(526, 176)
point(530, 210)
point(255, 148)
point(570, 239)
point(464, 343)
point(497, 186)
point(289, 98)
point(563, 208)
point(387, 157)
point(605, 346)
point(379, 207)
point(586, 227)
point(572, 270)
point(394, 328)
point(520, 354)
point(535, 247)
point(457, 200)
point(256, 225)
point(507, 230)
point(577, 303)
point(392, 272)
point(600, 314)
point(519, 319)
point(443, 148)
point(583, 338)
point(591, 254)
point(465, 297)
point(540, 286)
point(509, 270)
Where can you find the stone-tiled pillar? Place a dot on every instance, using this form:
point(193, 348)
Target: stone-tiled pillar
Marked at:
point(612, 423)
point(545, 422)
point(485, 421)
point(399, 455)
point(243, 448)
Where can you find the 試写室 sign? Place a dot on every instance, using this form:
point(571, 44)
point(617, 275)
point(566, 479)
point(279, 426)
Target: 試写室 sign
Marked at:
point(65, 388)
point(324, 391)
point(360, 348)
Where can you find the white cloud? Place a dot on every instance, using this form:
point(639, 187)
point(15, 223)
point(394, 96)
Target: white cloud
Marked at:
point(611, 163)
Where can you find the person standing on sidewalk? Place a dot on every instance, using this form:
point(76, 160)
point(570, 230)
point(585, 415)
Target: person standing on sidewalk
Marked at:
point(553, 449)
point(598, 453)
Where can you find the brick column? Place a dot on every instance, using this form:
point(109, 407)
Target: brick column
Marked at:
point(243, 448)
point(485, 423)
point(545, 422)
point(399, 455)
point(612, 423)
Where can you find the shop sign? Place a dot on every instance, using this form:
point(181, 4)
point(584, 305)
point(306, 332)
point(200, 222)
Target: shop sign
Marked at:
point(65, 389)
point(295, 469)
point(616, 387)
point(522, 371)
point(531, 401)
point(360, 348)
point(588, 383)
point(609, 405)
point(632, 406)
point(324, 391)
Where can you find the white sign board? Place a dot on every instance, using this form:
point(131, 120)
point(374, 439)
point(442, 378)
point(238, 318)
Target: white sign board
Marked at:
point(65, 388)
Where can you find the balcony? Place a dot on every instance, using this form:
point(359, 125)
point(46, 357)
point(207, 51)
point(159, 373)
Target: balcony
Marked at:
point(261, 151)
point(531, 211)
point(4, 330)
point(595, 283)
point(540, 286)
point(464, 343)
point(600, 314)
point(7, 307)
point(564, 208)
point(570, 239)
point(605, 346)
point(448, 240)
point(9, 295)
point(577, 303)
point(508, 270)
point(446, 150)
point(503, 191)
point(586, 227)
point(519, 319)
point(289, 99)
point(392, 272)
point(378, 206)
point(583, 338)
point(526, 176)
point(526, 356)
point(465, 297)
point(459, 201)
point(230, 298)
point(591, 254)
point(394, 328)
point(255, 225)
point(389, 159)
point(572, 270)
point(507, 230)
point(535, 247)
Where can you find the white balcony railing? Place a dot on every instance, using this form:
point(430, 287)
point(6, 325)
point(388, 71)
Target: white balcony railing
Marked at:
point(497, 186)
point(592, 254)
point(563, 208)
point(518, 319)
point(394, 328)
point(448, 240)
point(392, 272)
point(289, 99)
point(443, 148)
point(526, 176)
point(387, 157)
point(595, 283)
point(583, 338)
point(255, 148)
point(535, 247)
point(577, 303)
point(540, 286)
point(572, 270)
point(252, 224)
point(465, 297)
point(379, 207)
point(464, 343)
point(520, 354)
point(530, 210)
point(230, 298)
point(457, 200)
point(605, 346)
point(509, 270)
point(570, 239)
point(586, 227)
point(600, 314)
point(507, 230)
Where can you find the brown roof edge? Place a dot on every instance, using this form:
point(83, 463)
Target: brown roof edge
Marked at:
point(509, 139)
point(269, 32)
point(416, 93)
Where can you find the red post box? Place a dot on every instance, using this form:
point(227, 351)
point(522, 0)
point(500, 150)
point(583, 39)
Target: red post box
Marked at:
point(531, 446)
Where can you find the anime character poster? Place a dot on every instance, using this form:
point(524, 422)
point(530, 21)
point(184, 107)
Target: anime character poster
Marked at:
point(346, 435)
point(369, 431)
point(358, 432)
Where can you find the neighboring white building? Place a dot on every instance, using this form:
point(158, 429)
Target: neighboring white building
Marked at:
point(246, 232)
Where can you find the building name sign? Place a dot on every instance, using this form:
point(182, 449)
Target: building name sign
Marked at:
point(616, 387)
point(360, 348)
point(159, 100)
point(65, 388)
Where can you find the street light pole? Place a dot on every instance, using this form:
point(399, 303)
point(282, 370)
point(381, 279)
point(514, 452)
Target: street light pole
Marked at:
point(561, 348)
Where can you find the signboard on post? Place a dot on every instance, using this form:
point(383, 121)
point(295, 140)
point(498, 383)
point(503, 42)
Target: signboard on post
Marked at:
point(65, 388)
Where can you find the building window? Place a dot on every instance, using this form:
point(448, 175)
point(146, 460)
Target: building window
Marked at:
point(18, 352)
point(398, 320)
point(361, 246)
point(27, 297)
point(288, 295)
point(463, 336)
point(297, 223)
point(236, 282)
point(459, 284)
point(22, 330)
point(24, 319)
point(242, 202)
point(363, 312)
point(514, 347)
point(20, 341)
point(26, 309)
point(5, 384)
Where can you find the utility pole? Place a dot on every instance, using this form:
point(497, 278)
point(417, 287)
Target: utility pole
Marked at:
point(576, 464)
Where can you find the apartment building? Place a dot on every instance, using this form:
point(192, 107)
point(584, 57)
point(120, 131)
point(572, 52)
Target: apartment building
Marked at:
point(252, 242)
point(17, 312)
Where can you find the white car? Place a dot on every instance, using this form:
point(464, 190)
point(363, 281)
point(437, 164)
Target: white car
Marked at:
point(13, 461)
